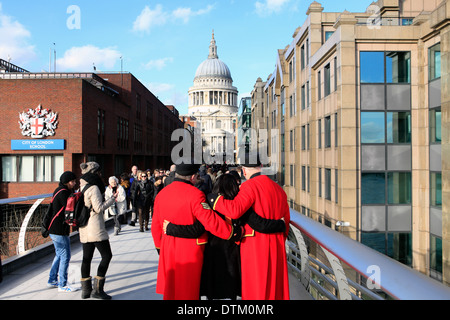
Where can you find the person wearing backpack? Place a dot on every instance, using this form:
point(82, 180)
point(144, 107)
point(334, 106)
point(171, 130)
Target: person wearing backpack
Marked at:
point(59, 233)
point(94, 235)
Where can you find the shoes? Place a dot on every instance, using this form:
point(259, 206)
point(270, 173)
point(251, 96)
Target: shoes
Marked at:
point(132, 223)
point(67, 289)
point(52, 285)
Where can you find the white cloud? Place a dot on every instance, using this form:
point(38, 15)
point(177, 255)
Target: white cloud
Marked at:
point(14, 41)
point(268, 7)
point(159, 88)
point(158, 17)
point(168, 94)
point(158, 64)
point(149, 18)
point(84, 58)
point(185, 14)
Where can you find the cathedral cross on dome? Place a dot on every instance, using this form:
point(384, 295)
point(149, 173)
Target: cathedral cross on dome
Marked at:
point(213, 48)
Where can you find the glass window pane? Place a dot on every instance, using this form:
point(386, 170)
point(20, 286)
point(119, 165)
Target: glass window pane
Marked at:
point(43, 168)
point(399, 187)
point(398, 66)
point(26, 168)
point(436, 189)
point(434, 56)
point(376, 241)
point(435, 126)
point(399, 247)
point(372, 67)
point(58, 167)
point(436, 254)
point(372, 127)
point(9, 169)
point(373, 186)
point(398, 127)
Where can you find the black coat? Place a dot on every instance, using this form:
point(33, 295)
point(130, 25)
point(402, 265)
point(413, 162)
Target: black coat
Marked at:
point(56, 222)
point(143, 193)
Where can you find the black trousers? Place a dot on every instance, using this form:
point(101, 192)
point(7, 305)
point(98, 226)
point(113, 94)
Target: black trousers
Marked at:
point(88, 253)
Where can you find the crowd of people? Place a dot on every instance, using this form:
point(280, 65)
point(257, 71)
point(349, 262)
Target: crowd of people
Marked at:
point(222, 238)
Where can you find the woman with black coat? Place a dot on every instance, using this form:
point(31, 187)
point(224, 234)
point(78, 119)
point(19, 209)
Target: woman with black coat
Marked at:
point(59, 232)
point(143, 199)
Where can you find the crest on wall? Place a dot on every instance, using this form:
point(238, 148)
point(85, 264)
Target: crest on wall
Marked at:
point(38, 123)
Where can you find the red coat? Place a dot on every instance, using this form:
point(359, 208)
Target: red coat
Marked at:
point(181, 260)
point(263, 256)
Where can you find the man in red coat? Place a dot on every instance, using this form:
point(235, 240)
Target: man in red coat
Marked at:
point(181, 259)
point(263, 256)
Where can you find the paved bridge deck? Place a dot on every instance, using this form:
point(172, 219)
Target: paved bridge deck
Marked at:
point(131, 274)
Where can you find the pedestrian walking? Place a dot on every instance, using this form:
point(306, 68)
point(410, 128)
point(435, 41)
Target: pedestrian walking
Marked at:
point(133, 181)
point(118, 209)
point(263, 256)
point(143, 200)
point(94, 235)
point(181, 260)
point(54, 225)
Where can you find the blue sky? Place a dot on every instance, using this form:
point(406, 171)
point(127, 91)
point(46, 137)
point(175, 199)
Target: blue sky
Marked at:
point(161, 42)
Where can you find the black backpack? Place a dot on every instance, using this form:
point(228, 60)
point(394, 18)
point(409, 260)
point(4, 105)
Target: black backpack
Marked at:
point(76, 213)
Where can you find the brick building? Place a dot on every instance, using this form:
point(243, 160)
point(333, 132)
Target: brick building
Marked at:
point(109, 118)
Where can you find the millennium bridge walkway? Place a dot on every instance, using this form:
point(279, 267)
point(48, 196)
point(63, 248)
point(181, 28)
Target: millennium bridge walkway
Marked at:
point(324, 265)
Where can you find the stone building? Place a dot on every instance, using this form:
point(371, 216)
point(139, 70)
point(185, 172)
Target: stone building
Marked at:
point(213, 101)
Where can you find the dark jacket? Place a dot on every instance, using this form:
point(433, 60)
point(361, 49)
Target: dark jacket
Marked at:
point(143, 194)
point(56, 224)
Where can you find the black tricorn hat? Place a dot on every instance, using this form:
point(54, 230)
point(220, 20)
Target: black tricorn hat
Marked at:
point(187, 169)
point(251, 160)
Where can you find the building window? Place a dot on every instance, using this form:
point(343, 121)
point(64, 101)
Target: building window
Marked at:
point(303, 98)
point(292, 175)
point(372, 67)
point(399, 187)
point(303, 137)
point(302, 56)
point(373, 186)
point(398, 126)
point(336, 189)
point(436, 254)
point(328, 184)
point(336, 136)
point(101, 128)
point(138, 105)
point(434, 57)
point(435, 126)
point(335, 74)
point(30, 168)
point(319, 135)
point(328, 34)
point(327, 80)
point(320, 182)
point(319, 85)
point(372, 127)
point(327, 132)
point(398, 66)
point(436, 189)
point(303, 178)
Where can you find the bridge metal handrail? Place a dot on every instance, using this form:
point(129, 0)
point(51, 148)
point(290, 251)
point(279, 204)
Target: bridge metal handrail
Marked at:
point(394, 278)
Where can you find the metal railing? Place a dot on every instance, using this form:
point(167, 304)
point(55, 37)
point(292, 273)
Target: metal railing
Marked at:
point(328, 264)
point(22, 215)
point(333, 266)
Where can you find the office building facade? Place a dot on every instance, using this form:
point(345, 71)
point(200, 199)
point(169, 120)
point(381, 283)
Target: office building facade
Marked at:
point(359, 102)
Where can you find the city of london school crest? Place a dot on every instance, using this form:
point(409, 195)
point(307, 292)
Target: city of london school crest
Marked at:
point(38, 123)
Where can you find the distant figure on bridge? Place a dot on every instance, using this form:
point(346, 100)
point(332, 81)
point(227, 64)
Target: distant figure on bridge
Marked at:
point(180, 261)
point(59, 231)
point(263, 256)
